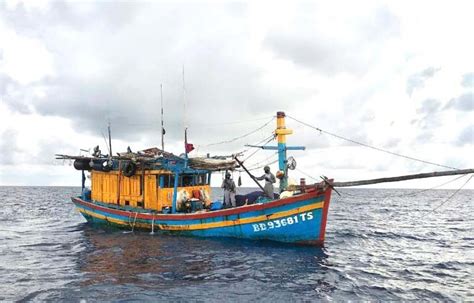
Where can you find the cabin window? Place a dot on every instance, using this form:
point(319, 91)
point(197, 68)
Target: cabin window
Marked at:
point(165, 181)
point(201, 179)
point(171, 181)
point(186, 180)
point(161, 180)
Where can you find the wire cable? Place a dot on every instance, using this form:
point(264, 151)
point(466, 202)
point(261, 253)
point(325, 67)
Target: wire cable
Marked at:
point(259, 149)
point(369, 146)
point(240, 137)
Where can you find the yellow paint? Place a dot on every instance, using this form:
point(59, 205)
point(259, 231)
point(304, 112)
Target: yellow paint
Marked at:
point(208, 225)
point(151, 197)
point(112, 187)
point(130, 190)
point(281, 130)
point(243, 221)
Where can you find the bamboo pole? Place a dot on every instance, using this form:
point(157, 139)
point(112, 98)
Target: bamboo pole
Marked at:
point(251, 176)
point(405, 177)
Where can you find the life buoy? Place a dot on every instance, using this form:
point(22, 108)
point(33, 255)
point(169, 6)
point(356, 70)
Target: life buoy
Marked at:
point(129, 169)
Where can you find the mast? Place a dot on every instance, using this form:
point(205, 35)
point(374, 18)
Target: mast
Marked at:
point(185, 122)
point(110, 140)
point(162, 125)
point(281, 132)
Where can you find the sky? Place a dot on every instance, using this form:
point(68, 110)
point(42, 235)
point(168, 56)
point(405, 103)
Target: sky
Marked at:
point(396, 75)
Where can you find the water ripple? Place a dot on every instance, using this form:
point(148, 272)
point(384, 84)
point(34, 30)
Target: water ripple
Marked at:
point(379, 247)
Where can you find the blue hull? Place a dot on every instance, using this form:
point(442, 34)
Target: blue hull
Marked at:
point(299, 219)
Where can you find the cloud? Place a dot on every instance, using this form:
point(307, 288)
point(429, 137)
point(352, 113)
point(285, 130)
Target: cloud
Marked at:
point(431, 118)
point(465, 102)
point(429, 106)
point(16, 96)
point(349, 46)
point(468, 80)
point(418, 80)
point(466, 137)
point(9, 150)
point(109, 62)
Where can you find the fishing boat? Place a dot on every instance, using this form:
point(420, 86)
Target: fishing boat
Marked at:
point(161, 192)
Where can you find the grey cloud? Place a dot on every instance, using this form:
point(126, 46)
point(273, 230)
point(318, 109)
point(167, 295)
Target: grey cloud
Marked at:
point(429, 122)
point(468, 80)
point(78, 16)
point(47, 148)
point(305, 43)
point(16, 96)
point(429, 106)
point(109, 72)
point(418, 80)
point(424, 137)
point(464, 102)
point(430, 117)
point(8, 147)
point(466, 137)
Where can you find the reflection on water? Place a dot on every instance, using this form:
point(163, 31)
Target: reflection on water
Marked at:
point(162, 262)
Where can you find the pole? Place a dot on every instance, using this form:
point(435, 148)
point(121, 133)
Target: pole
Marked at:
point(110, 141)
point(251, 176)
point(281, 132)
point(162, 125)
point(405, 177)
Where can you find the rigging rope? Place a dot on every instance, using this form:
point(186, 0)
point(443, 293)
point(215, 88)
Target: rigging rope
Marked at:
point(369, 146)
point(264, 160)
point(449, 198)
point(261, 166)
point(268, 140)
point(240, 137)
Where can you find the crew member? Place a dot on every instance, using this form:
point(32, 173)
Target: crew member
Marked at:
point(229, 191)
point(269, 180)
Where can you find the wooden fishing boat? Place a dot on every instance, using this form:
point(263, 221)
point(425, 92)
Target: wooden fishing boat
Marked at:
point(161, 192)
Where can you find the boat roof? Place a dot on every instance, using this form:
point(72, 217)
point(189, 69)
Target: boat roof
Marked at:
point(155, 158)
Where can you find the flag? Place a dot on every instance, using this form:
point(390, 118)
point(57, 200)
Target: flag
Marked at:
point(189, 147)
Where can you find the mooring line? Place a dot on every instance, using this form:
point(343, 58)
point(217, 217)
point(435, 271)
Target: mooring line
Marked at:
point(134, 220)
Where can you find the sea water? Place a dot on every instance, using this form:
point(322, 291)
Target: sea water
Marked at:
point(380, 245)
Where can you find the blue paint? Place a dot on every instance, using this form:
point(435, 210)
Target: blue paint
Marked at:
point(162, 181)
point(299, 230)
point(175, 192)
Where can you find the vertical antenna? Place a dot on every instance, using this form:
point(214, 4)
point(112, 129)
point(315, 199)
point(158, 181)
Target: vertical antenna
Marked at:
point(110, 141)
point(185, 118)
point(162, 126)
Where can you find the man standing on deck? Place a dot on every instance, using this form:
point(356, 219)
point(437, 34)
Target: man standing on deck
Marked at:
point(229, 191)
point(269, 180)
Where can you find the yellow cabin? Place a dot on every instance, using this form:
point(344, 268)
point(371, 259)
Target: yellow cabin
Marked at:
point(148, 189)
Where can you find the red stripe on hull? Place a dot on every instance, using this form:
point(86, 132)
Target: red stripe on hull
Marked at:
point(218, 213)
